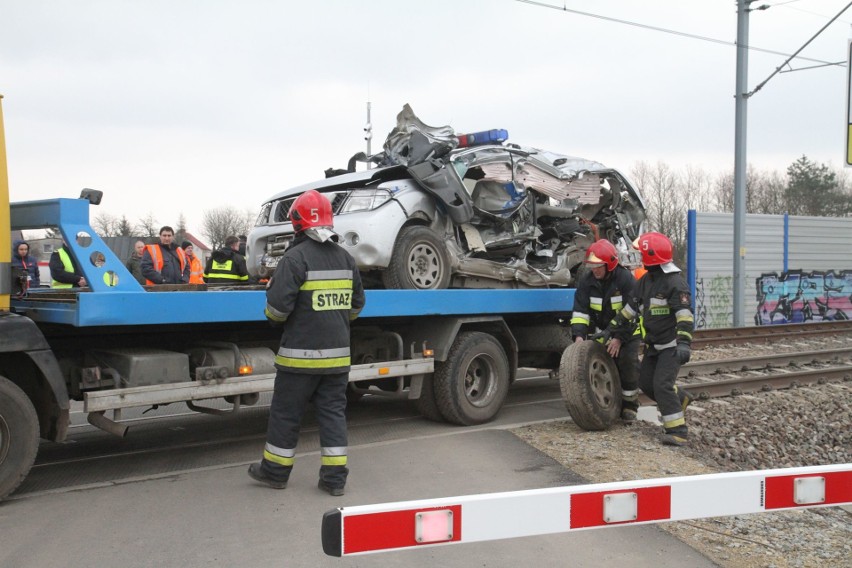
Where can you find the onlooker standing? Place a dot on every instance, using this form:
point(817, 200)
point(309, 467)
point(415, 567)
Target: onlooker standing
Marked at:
point(165, 262)
point(134, 263)
point(64, 271)
point(242, 248)
point(196, 272)
point(314, 293)
point(226, 265)
point(21, 259)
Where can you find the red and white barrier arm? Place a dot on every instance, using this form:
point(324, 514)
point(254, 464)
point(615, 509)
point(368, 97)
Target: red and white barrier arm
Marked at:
point(475, 518)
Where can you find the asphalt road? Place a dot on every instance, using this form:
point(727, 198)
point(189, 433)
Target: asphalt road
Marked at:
point(174, 492)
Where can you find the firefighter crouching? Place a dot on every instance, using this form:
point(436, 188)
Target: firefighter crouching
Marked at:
point(664, 304)
point(314, 293)
point(599, 296)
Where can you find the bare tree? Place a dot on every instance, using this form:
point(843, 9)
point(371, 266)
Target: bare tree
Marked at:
point(218, 224)
point(105, 225)
point(147, 226)
point(669, 194)
point(764, 192)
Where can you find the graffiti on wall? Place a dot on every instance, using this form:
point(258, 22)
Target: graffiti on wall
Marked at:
point(713, 306)
point(796, 296)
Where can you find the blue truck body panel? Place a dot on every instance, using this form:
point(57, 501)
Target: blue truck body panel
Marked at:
point(211, 306)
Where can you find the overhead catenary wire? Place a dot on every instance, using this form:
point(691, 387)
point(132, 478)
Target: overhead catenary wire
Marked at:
point(813, 37)
point(564, 8)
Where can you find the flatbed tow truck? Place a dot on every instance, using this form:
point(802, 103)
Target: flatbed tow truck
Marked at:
point(116, 344)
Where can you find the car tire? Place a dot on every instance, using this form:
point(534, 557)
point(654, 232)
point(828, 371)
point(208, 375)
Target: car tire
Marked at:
point(472, 384)
point(590, 385)
point(419, 261)
point(19, 436)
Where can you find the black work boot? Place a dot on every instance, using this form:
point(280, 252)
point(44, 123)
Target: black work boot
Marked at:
point(629, 414)
point(333, 491)
point(673, 439)
point(256, 472)
point(676, 436)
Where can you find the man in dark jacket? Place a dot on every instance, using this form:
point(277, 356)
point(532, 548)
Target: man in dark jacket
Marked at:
point(226, 265)
point(600, 294)
point(165, 262)
point(64, 271)
point(314, 293)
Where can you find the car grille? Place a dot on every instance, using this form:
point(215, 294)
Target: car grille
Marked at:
point(282, 208)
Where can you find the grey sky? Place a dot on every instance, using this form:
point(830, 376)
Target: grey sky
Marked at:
point(180, 106)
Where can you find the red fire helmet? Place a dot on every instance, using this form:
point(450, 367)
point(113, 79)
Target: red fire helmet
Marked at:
point(602, 252)
point(310, 210)
point(656, 248)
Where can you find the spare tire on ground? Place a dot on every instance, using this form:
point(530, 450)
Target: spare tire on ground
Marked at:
point(590, 385)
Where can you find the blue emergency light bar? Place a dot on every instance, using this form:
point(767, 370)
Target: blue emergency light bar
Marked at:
point(481, 138)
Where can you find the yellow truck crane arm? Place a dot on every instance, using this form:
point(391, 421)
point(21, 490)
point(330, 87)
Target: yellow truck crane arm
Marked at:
point(5, 228)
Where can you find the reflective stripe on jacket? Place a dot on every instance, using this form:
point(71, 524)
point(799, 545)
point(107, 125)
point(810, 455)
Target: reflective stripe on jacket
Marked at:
point(664, 303)
point(597, 301)
point(315, 291)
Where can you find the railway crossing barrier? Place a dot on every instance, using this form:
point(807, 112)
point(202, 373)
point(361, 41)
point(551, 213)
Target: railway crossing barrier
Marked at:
point(476, 518)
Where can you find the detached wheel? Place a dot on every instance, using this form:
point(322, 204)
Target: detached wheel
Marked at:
point(590, 385)
point(426, 405)
point(19, 436)
point(419, 261)
point(472, 384)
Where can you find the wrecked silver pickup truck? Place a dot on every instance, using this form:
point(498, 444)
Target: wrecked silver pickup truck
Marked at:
point(440, 210)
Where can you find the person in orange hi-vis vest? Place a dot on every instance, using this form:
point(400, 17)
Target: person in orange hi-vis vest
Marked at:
point(196, 271)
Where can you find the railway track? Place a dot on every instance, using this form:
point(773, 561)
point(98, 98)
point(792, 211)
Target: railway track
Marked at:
point(769, 333)
point(765, 372)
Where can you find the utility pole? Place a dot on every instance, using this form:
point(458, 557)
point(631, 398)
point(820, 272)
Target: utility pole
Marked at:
point(368, 135)
point(740, 124)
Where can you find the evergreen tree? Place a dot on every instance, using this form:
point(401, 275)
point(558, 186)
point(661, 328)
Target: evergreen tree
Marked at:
point(813, 189)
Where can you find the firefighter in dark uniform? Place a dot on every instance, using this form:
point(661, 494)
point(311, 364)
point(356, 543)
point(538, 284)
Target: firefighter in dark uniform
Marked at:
point(314, 293)
point(601, 294)
point(664, 303)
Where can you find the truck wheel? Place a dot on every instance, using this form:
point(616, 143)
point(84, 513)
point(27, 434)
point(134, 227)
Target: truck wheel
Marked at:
point(590, 385)
point(419, 261)
point(472, 384)
point(19, 436)
point(426, 405)
point(352, 397)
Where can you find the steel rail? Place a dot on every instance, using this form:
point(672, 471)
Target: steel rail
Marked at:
point(769, 382)
point(736, 335)
point(716, 366)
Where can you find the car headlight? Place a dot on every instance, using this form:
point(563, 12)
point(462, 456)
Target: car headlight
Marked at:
point(365, 200)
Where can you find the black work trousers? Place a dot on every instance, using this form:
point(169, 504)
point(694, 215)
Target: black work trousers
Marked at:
point(293, 392)
point(657, 376)
point(627, 364)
